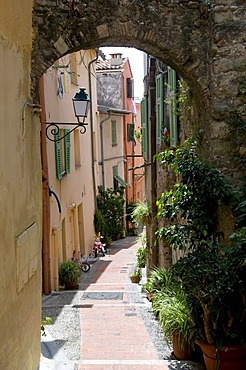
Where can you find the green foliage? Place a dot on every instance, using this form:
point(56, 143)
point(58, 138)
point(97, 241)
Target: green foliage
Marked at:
point(191, 205)
point(46, 321)
point(129, 209)
point(136, 273)
point(236, 128)
point(69, 272)
point(213, 278)
point(173, 314)
point(141, 257)
point(141, 213)
point(109, 216)
point(159, 278)
point(169, 304)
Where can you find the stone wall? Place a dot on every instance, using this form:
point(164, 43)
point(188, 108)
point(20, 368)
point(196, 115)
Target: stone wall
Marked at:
point(203, 41)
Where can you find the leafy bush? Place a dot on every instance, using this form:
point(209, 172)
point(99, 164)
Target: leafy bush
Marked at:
point(141, 257)
point(69, 273)
point(108, 219)
point(141, 213)
point(191, 205)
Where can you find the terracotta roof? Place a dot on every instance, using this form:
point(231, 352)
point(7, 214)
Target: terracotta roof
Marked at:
point(102, 65)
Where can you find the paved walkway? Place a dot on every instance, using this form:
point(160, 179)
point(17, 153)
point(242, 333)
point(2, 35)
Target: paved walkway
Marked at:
point(113, 332)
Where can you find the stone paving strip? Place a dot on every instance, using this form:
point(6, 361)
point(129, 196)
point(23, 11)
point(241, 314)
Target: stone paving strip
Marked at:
point(108, 322)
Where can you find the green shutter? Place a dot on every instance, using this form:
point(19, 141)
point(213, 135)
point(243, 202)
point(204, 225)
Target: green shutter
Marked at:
point(159, 108)
point(173, 119)
point(144, 126)
point(114, 136)
point(130, 132)
point(115, 170)
point(58, 156)
point(67, 151)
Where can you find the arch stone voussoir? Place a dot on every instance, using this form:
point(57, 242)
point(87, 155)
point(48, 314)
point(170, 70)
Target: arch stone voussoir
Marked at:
point(204, 41)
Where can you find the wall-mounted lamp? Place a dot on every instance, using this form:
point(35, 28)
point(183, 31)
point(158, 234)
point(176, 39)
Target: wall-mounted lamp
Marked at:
point(81, 103)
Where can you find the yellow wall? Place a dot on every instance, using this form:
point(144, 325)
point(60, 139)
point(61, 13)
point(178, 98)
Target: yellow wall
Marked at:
point(73, 228)
point(20, 195)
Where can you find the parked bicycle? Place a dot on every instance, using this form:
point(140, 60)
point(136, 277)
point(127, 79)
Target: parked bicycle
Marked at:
point(83, 264)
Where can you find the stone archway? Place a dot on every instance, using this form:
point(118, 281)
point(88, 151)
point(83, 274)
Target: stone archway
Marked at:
point(203, 41)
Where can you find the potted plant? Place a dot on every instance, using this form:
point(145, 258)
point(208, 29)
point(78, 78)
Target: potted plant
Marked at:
point(141, 213)
point(213, 278)
point(173, 313)
point(136, 275)
point(158, 278)
point(69, 274)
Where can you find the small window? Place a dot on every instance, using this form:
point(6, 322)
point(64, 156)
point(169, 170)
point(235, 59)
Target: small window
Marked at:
point(114, 134)
point(130, 132)
point(74, 69)
point(62, 154)
point(77, 155)
point(130, 88)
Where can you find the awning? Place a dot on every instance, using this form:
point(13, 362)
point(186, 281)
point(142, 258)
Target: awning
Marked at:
point(120, 181)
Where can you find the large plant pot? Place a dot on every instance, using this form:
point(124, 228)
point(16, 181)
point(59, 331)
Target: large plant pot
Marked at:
point(135, 279)
point(71, 286)
point(181, 351)
point(224, 358)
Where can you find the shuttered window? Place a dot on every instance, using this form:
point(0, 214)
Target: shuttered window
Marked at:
point(67, 151)
point(62, 154)
point(159, 108)
point(173, 119)
point(58, 156)
point(130, 132)
point(114, 134)
point(144, 127)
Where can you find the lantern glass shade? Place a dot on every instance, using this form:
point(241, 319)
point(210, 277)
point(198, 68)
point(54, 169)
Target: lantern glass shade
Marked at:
point(81, 103)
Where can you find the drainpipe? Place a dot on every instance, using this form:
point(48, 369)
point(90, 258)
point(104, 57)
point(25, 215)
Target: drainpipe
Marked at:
point(102, 152)
point(91, 124)
point(46, 197)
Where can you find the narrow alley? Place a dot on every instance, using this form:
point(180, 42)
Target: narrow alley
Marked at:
point(107, 323)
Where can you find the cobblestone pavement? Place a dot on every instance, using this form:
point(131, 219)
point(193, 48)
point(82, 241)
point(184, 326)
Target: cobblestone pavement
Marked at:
point(107, 323)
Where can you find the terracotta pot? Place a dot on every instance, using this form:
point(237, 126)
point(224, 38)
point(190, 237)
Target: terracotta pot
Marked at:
point(149, 296)
point(180, 352)
point(70, 286)
point(135, 279)
point(224, 358)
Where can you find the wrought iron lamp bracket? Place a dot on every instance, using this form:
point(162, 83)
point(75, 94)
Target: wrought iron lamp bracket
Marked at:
point(54, 129)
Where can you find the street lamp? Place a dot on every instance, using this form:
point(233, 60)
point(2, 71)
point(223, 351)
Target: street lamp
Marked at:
point(81, 103)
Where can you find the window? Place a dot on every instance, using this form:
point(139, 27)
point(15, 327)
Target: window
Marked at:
point(117, 179)
point(114, 134)
point(62, 154)
point(159, 108)
point(77, 155)
point(74, 69)
point(130, 88)
point(130, 132)
point(173, 119)
point(144, 127)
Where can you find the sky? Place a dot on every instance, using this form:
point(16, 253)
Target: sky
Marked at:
point(136, 61)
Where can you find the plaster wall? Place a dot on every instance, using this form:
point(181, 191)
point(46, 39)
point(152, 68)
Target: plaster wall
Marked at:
point(72, 229)
point(20, 194)
point(139, 174)
point(113, 155)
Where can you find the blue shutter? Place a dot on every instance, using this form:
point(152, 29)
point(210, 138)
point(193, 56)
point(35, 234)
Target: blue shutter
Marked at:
point(159, 108)
point(58, 156)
